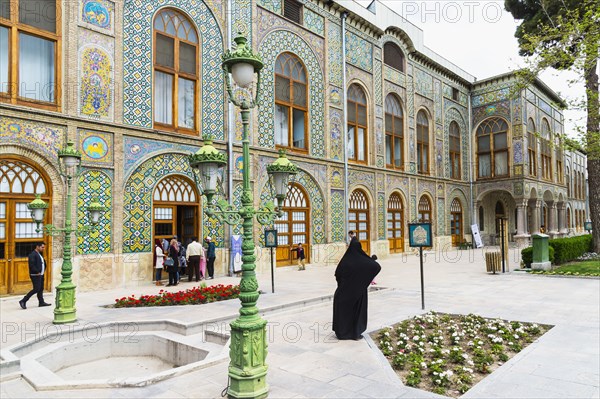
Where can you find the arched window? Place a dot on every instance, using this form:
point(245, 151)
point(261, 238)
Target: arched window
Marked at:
point(492, 148)
point(29, 52)
point(291, 109)
point(293, 227)
point(531, 146)
point(394, 133)
point(175, 72)
point(395, 223)
point(568, 180)
point(357, 124)
point(454, 150)
point(546, 151)
point(424, 210)
point(456, 222)
point(422, 143)
point(393, 56)
point(358, 218)
point(559, 159)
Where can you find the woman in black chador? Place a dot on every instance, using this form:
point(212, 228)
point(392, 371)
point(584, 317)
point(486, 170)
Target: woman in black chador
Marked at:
point(354, 274)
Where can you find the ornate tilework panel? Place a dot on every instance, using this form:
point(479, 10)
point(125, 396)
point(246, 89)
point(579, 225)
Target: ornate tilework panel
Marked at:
point(137, 62)
point(394, 76)
point(410, 96)
point(439, 158)
point(447, 92)
point(499, 109)
point(394, 182)
point(336, 178)
point(517, 152)
point(268, 23)
point(379, 137)
point(453, 114)
point(237, 201)
point(137, 198)
point(317, 204)
point(335, 96)
point(490, 97)
point(212, 227)
point(314, 22)
point(365, 78)
point(94, 183)
point(242, 18)
point(273, 5)
point(517, 110)
point(359, 177)
point(336, 144)
point(359, 52)
point(424, 83)
point(95, 83)
point(136, 149)
point(378, 77)
point(381, 210)
point(334, 53)
point(274, 44)
point(393, 88)
point(98, 15)
point(337, 208)
point(413, 208)
point(41, 137)
point(441, 217)
point(437, 98)
point(96, 148)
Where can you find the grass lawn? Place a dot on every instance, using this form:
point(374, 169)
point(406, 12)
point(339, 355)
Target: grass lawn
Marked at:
point(581, 268)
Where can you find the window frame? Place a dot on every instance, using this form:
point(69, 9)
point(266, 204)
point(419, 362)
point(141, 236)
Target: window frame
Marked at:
point(15, 27)
point(176, 74)
point(392, 133)
point(356, 124)
point(301, 11)
point(453, 154)
point(390, 44)
point(291, 106)
point(421, 143)
point(493, 151)
point(532, 148)
point(546, 150)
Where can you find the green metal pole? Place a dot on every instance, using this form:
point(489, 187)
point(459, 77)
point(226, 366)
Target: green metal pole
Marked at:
point(64, 312)
point(247, 367)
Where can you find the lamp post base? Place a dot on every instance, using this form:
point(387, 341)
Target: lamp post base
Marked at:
point(247, 368)
point(65, 311)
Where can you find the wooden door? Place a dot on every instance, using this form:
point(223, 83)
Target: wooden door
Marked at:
point(19, 182)
point(293, 227)
point(358, 218)
point(395, 223)
point(424, 210)
point(189, 223)
point(456, 223)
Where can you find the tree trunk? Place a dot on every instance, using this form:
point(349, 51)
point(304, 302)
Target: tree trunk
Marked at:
point(593, 140)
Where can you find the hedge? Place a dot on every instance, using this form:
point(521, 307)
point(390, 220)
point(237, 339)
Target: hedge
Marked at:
point(562, 250)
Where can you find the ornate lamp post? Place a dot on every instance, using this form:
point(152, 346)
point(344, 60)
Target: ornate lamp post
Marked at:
point(69, 161)
point(247, 367)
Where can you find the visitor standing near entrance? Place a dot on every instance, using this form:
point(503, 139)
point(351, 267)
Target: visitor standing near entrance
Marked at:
point(37, 267)
point(174, 269)
point(211, 255)
point(301, 256)
point(195, 253)
point(159, 257)
point(352, 236)
point(354, 274)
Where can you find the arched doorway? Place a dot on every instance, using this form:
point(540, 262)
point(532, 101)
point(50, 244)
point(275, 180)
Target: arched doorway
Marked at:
point(456, 222)
point(395, 223)
point(20, 180)
point(176, 209)
point(358, 218)
point(293, 226)
point(424, 210)
point(499, 214)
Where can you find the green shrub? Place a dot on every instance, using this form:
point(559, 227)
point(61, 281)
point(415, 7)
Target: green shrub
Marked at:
point(527, 255)
point(568, 249)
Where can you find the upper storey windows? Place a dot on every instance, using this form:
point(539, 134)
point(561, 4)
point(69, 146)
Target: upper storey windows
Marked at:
point(357, 124)
point(393, 56)
point(30, 52)
point(492, 148)
point(292, 10)
point(175, 72)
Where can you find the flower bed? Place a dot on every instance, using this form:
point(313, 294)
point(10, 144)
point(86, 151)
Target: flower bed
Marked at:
point(192, 296)
point(448, 354)
point(587, 268)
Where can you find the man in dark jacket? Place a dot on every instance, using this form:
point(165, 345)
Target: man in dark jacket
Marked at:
point(211, 255)
point(37, 267)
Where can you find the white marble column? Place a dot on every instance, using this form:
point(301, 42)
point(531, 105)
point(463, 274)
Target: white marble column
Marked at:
point(521, 218)
point(536, 216)
point(552, 219)
point(562, 218)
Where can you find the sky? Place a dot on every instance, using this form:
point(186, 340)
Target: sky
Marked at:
point(478, 36)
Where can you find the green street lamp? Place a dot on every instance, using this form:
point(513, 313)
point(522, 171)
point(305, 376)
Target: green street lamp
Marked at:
point(69, 161)
point(248, 350)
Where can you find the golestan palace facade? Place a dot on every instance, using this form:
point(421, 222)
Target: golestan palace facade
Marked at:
point(137, 83)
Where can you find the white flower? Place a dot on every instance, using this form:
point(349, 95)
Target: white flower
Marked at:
point(423, 365)
point(465, 356)
point(438, 381)
point(416, 338)
point(510, 343)
point(516, 336)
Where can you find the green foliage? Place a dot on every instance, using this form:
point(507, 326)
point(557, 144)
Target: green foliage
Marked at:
point(527, 255)
point(567, 249)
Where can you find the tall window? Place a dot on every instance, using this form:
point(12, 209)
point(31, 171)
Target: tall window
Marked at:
point(546, 151)
point(30, 52)
point(175, 72)
point(531, 146)
point(492, 148)
point(393, 56)
point(291, 110)
point(424, 210)
point(357, 124)
point(422, 143)
point(559, 159)
point(568, 180)
point(481, 219)
point(454, 150)
point(394, 133)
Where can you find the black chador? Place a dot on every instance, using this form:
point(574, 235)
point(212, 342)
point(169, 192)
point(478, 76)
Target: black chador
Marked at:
point(354, 274)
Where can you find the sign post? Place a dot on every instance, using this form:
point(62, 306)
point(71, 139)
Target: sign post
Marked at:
point(476, 236)
point(271, 242)
point(419, 235)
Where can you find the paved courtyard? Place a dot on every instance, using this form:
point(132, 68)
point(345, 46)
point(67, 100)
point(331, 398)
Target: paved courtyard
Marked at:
point(305, 359)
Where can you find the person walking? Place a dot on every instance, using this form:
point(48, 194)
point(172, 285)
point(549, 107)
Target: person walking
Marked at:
point(174, 270)
point(300, 250)
point(354, 274)
point(195, 253)
point(37, 267)
point(159, 257)
point(211, 255)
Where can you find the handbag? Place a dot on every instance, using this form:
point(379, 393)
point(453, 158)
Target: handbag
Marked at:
point(169, 262)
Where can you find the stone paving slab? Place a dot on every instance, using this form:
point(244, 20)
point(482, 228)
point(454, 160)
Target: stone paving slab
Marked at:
point(305, 360)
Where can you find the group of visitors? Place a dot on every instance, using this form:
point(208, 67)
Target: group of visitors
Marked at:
point(193, 260)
